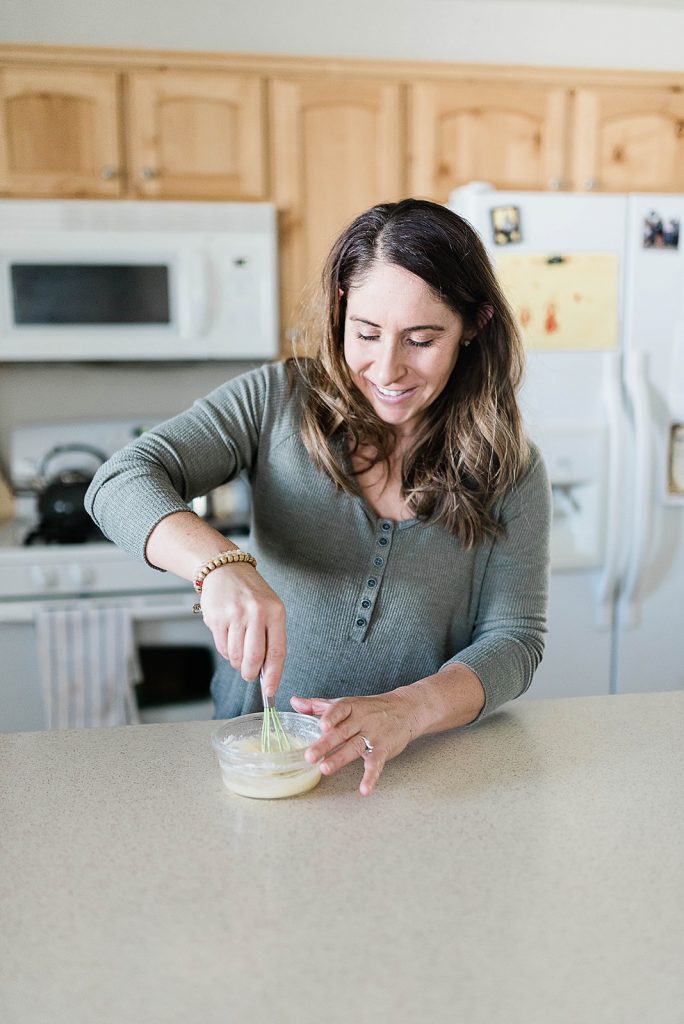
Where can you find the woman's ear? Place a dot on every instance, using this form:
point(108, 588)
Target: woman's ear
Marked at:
point(484, 315)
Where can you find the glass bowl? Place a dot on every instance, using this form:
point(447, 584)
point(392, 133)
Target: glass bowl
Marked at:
point(249, 771)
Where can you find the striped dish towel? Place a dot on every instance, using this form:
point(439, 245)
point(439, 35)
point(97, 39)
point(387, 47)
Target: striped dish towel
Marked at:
point(88, 666)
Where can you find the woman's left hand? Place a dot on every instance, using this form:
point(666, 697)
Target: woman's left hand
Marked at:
point(350, 725)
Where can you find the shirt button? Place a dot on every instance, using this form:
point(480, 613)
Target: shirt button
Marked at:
point(383, 541)
point(387, 526)
point(372, 582)
point(365, 603)
point(360, 622)
point(378, 560)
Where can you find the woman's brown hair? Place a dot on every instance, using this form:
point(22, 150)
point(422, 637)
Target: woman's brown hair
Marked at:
point(470, 446)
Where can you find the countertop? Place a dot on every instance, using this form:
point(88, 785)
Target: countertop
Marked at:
point(529, 869)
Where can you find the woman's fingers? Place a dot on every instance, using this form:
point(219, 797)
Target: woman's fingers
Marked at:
point(347, 752)
point(336, 722)
point(309, 705)
point(331, 712)
point(253, 651)
point(235, 644)
point(247, 622)
point(374, 728)
point(371, 773)
point(275, 658)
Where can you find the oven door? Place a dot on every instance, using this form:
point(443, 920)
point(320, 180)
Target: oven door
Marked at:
point(175, 652)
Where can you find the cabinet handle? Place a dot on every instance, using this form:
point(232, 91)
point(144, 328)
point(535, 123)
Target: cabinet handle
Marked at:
point(555, 184)
point(108, 173)
point(148, 173)
point(590, 184)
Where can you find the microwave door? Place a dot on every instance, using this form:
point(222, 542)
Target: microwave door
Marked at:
point(100, 294)
point(80, 300)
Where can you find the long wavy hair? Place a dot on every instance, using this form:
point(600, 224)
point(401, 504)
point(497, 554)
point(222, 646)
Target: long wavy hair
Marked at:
point(470, 446)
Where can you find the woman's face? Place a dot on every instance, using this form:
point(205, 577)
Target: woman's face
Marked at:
point(400, 343)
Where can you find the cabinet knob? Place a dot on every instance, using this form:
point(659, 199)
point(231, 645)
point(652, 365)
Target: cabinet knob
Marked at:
point(555, 184)
point(108, 172)
point(590, 184)
point(148, 173)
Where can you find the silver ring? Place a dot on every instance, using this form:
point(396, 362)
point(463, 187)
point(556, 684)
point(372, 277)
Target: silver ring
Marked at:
point(368, 745)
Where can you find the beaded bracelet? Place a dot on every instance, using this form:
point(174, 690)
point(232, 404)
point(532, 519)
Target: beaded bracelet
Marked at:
point(223, 558)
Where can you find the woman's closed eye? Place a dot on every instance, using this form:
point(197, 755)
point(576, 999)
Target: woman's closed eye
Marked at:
point(414, 342)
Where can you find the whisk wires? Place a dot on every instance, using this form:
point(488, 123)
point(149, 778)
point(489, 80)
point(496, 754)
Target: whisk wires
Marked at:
point(273, 736)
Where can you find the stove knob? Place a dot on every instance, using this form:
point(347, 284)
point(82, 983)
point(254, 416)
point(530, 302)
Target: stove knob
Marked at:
point(82, 576)
point(44, 577)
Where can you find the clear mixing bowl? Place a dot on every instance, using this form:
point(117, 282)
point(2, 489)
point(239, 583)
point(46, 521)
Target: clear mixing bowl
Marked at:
point(249, 771)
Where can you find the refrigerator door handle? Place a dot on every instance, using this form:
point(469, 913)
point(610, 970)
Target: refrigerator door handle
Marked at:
point(607, 585)
point(636, 379)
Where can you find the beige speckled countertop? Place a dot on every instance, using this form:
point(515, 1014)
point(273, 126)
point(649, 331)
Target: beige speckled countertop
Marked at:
point(530, 869)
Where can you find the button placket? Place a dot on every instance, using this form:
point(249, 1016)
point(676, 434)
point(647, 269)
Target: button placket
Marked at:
point(373, 580)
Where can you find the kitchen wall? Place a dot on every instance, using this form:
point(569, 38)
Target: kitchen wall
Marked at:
point(630, 33)
point(46, 393)
point(542, 32)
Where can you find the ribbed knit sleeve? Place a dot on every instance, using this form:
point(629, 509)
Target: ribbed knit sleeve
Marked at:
point(510, 622)
point(184, 457)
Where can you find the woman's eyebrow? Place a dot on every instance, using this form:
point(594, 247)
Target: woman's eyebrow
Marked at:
point(360, 320)
point(416, 327)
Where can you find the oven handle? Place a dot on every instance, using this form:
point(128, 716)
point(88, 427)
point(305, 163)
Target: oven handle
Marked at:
point(20, 612)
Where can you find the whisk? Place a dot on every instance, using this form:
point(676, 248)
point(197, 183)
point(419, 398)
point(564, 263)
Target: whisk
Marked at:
point(273, 736)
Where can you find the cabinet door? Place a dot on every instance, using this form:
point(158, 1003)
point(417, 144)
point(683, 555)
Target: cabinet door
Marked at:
point(336, 150)
point(196, 135)
point(628, 140)
point(59, 133)
point(511, 135)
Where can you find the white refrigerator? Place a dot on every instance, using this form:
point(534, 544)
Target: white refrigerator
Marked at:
point(597, 285)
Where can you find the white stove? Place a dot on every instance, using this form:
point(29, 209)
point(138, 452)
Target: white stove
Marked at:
point(45, 576)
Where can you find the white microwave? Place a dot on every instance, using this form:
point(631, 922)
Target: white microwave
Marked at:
point(122, 280)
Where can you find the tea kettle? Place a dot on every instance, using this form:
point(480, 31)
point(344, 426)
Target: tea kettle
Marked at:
point(63, 518)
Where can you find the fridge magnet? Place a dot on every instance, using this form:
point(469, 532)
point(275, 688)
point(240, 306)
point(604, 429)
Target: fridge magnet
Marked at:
point(660, 232)
point(506, 224)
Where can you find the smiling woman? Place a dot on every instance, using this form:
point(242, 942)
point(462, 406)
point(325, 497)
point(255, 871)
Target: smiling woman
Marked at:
point(401, 359)
point(400, 517)
point(434, 426)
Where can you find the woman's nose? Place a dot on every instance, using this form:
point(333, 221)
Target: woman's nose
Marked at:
point(388, 364)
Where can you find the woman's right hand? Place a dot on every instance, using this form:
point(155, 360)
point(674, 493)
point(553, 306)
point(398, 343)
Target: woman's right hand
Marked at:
point(247, 622)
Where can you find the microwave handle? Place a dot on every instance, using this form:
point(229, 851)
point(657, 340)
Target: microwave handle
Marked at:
point(192, 295)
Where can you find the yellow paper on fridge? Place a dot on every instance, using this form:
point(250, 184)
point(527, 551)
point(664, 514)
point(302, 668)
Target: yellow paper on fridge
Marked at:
point(563, 301)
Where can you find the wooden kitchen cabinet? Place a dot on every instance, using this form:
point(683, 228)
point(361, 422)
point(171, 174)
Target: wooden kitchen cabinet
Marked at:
point(188, 134)
point(59, 132)
point(196, 135)
point(628, 139)
point(336, 149)
point(510, 134)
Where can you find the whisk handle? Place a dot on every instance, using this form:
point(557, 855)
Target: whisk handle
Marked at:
point(269, 700)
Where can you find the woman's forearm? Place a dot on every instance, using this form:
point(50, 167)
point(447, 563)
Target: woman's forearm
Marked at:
point(450, 698)
point(182, 541)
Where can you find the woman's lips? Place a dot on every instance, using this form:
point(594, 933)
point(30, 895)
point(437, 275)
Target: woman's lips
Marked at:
point(391, 395)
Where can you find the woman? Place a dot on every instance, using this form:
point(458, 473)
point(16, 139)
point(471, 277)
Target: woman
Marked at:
point(400, 517)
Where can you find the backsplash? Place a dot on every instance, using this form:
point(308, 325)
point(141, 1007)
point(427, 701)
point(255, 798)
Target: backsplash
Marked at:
point(53, 392)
